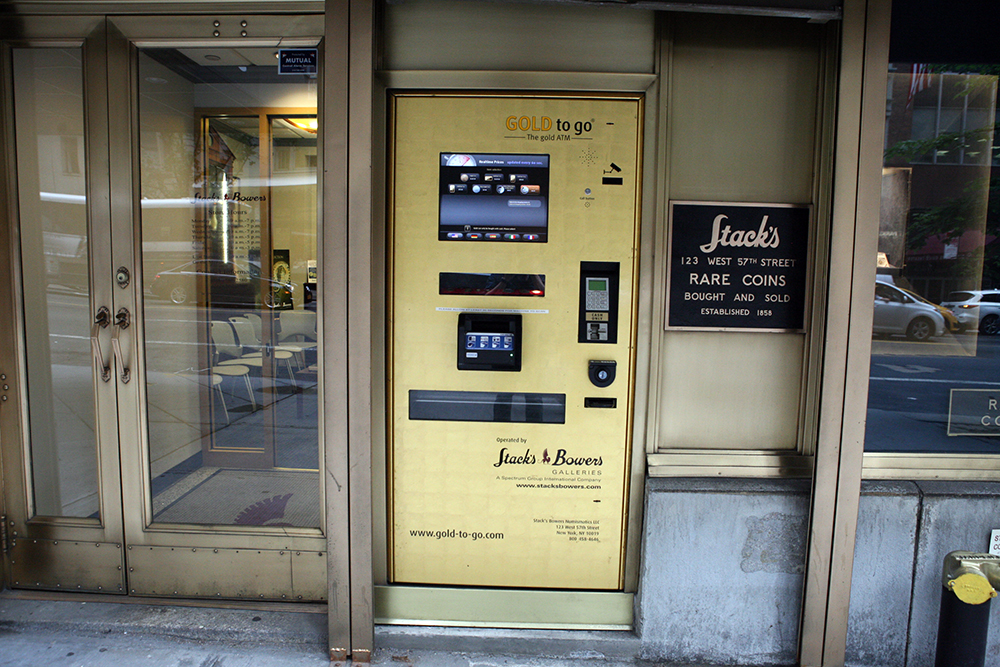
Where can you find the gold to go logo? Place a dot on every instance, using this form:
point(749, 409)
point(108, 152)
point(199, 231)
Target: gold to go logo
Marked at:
point(529, 123)
point(544, 124)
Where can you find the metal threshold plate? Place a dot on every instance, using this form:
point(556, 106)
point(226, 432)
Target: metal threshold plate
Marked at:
point(503, 608)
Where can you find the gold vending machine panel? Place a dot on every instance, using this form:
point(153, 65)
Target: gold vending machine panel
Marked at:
point(513, 249)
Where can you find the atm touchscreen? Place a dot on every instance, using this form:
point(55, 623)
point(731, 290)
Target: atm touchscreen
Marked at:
point(489, 342)
point(493, 197)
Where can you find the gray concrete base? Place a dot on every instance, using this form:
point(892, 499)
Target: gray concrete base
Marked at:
point(722, 570)
point(882, 580)
point(905, 529)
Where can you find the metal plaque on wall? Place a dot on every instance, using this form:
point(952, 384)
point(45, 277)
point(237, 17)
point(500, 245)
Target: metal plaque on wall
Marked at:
point(736, 266)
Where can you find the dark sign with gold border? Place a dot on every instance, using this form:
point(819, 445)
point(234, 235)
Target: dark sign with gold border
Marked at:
point(738, 266)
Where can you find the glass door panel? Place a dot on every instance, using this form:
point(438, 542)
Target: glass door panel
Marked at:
point(55, 267)
point(224, 492)
point(294, 264)
point(228, 221)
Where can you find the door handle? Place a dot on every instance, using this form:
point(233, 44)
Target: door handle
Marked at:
point(101, 321)
point(121, 322)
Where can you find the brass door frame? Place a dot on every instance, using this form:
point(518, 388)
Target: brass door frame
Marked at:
point(127, 36)
point(76, 549)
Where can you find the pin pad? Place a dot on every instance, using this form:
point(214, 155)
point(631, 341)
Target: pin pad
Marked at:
point(598, 302)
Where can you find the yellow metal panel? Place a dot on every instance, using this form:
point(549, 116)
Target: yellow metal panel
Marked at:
point(460, 514)
point(499, 608)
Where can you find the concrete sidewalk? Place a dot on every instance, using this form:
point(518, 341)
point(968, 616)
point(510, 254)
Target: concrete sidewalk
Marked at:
point(76, 633)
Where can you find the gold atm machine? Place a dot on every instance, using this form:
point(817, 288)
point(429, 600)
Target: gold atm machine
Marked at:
point(513, 249)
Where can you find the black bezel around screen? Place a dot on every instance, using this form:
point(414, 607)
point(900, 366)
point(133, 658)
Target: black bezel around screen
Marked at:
point(501, 349)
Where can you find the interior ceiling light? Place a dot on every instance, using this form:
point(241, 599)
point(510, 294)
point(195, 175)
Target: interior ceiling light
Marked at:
point(307, 124)
point(212, 57)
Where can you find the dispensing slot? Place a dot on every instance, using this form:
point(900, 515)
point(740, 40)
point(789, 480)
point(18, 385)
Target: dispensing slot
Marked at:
point(600, 402)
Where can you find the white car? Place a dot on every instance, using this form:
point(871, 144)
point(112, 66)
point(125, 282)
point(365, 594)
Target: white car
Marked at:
point(976, 309)
point(900, 311)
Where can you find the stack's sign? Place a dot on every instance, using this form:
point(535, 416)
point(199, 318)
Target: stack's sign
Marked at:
point(738, 266)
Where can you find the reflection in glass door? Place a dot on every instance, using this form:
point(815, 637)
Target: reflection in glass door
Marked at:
point(55, 274)
point(228, 221)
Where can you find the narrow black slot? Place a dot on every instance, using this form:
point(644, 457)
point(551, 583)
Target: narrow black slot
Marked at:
point(600, 402)
point(487, 406)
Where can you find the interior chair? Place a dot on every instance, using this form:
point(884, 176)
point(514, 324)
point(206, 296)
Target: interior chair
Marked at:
point(252, 348)
point(297, 332)
point(217, 383)
point(227, 352)
point(258, 325)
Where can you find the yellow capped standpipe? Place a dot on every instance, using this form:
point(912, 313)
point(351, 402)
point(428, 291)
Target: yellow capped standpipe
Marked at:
point(970, 580)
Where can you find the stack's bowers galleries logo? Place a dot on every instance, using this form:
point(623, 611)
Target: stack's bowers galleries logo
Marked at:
point(562, 458)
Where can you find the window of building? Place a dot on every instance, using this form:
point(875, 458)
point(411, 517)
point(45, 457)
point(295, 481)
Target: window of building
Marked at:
point(934, 385)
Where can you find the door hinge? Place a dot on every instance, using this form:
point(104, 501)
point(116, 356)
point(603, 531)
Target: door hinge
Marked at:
point(4, 543)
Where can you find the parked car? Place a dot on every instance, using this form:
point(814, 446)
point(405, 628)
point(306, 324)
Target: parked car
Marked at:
point(226, 284)
point(976, 309)
point(900, 311)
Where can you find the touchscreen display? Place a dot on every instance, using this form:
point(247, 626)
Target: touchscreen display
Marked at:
point(487, 197)
point(489, 341)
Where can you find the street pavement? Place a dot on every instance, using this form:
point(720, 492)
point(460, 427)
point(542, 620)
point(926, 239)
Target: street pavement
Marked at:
point(75, 633)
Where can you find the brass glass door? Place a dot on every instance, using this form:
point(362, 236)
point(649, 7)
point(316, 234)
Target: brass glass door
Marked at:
point(168, 342)
point(223, 244)
point(58, 416)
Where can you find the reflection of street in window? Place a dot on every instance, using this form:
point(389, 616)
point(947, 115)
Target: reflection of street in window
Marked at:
point(939, 243)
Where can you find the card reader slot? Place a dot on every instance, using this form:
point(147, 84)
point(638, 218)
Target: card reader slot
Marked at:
point(600, 402)
point(487, 406)
point(491, 284)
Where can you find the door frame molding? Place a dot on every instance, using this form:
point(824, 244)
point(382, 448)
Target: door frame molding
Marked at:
point(174, 7)
point(346, 109)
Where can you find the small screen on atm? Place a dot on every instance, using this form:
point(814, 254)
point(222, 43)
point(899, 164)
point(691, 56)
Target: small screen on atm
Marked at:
point(489, 341)
point(494, 197)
